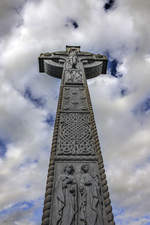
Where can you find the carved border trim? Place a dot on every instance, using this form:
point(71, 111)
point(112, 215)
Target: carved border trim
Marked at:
point(50, 176)
point(75, 158)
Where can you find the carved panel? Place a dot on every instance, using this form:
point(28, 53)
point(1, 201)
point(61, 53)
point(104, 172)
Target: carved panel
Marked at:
point(77, 196)
point(73, 76)
point(74, 99)
point(72, 60)
point(75, 135)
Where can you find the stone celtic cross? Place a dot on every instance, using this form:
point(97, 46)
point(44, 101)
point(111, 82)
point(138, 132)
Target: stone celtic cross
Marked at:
point(76, 189)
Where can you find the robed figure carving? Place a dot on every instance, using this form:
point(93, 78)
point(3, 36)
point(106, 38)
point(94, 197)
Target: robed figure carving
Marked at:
point(66, 197)
point(90, 206)
point(73, 59)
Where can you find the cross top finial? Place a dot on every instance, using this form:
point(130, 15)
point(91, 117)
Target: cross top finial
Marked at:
point(70, 48)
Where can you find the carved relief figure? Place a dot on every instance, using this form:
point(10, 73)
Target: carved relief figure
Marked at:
point(74, 59)
point(69, 76)
point(66, 197)
point(90, 206)
point(68, 64)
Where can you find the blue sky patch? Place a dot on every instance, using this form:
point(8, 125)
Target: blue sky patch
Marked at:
point(3, 147)
point(143, 107)
point(28, 186)
point(27, 162)
point(72, 22)
point(50, 119)
point(117, 211)
point(20, 205)
point(37, 214)
point(112, 65)
point(143, 163)
point(124, 91)
point(148, 218)
point(75, 24)
point(38, 102)
point(109, 4)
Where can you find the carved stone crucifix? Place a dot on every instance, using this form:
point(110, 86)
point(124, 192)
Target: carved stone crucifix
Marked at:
point(76, 189)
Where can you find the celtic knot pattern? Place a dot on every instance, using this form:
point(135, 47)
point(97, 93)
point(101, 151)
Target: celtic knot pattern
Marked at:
point(75, 136)
point(73, 76)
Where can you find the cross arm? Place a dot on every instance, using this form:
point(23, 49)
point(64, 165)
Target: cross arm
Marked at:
point(52, 63)
point(94, 65)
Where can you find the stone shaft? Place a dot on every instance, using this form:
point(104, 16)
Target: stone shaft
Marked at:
point(76, 189)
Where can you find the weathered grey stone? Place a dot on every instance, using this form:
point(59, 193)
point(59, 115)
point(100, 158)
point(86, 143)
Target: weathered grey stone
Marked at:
point(77, 194)
point(76, 189)
point(73, 76)
point(75, 135)
point(74, 99)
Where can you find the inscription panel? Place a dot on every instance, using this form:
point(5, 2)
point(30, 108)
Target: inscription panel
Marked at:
point(75, 135)
point(77, 197)
point(74, 99)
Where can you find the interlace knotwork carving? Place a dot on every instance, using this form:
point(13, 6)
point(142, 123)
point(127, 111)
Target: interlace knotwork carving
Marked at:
point(75, 135)
point(73, 76)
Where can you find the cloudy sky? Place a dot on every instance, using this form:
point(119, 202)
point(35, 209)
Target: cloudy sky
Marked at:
point(28, 100)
